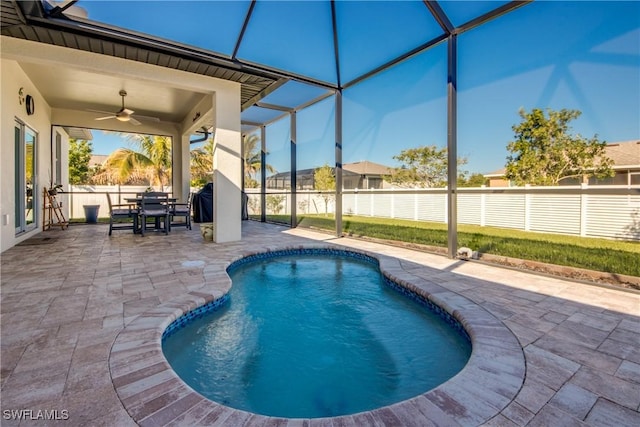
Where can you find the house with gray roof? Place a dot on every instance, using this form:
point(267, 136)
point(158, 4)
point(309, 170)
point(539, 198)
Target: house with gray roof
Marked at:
point(626, 165)
point(363, 175)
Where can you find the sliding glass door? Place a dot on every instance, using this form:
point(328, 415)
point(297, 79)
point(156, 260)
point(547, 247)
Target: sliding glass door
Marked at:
point(26, 191)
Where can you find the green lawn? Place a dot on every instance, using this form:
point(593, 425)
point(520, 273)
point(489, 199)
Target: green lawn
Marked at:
point(612, 256)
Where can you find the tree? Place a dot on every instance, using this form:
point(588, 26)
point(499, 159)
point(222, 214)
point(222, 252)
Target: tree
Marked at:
point(150, 165)
point(544, 151)
point(252, 159)
point(474, 180)
point(79, 157)
point(325, 180)
point(274, 203)
point(201, 164)
point(422, 167)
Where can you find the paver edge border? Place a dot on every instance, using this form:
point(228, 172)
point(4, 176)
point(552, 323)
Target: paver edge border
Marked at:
point(153, 394)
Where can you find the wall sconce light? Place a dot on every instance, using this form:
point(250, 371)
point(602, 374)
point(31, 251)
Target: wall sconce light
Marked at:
point(27, 101)
point(30, 105)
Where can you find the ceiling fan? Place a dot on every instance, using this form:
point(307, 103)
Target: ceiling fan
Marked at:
point(125, 114)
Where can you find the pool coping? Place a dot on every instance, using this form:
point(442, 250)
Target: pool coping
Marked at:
point(153, 394)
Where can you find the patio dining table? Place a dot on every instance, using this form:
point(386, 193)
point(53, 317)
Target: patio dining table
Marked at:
point(138, 201)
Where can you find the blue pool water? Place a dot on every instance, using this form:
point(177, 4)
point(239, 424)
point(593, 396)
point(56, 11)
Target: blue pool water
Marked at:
point(306, 336)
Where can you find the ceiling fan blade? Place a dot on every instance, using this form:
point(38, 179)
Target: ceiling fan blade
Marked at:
point(99, 111)
point(134, 121)
point(125, 114)
point(147, 118)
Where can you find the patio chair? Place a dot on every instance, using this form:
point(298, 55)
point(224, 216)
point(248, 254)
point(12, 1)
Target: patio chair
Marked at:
point(154, 205)
point(118, 213)
point(182, 210)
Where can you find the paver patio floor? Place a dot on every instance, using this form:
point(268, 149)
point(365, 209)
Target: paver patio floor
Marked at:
point(67, 295)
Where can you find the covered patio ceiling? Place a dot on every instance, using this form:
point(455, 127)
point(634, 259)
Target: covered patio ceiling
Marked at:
point(323, 47)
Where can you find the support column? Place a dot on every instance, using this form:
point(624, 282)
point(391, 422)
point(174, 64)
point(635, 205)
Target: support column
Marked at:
point(181, 172)
point(227, 167)
point(338, 155)
point(294, 169)
point(263, 174)
point(452, 146)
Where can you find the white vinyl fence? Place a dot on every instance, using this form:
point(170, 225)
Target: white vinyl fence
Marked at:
point(594, 211)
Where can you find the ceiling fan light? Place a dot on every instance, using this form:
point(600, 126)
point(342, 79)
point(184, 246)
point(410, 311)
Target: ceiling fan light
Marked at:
point(123, 118)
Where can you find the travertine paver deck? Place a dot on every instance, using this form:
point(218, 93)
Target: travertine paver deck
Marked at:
point(72, 300)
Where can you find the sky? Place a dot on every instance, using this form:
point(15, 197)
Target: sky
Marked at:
point(582, 55)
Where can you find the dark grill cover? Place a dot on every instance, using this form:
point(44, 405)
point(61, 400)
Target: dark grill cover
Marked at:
point(203, 204)
point(245, 202)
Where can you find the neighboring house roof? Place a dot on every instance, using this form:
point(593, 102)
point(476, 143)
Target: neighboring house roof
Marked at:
point(624, 155)
point(367, 168)
point(357, 168)
point(496, 174)
point(97, 159)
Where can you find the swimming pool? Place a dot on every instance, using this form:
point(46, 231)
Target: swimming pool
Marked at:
point(314, 333)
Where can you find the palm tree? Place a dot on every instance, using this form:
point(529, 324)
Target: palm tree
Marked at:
point(252, 160)
point(150, 165)
point(202, 162)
